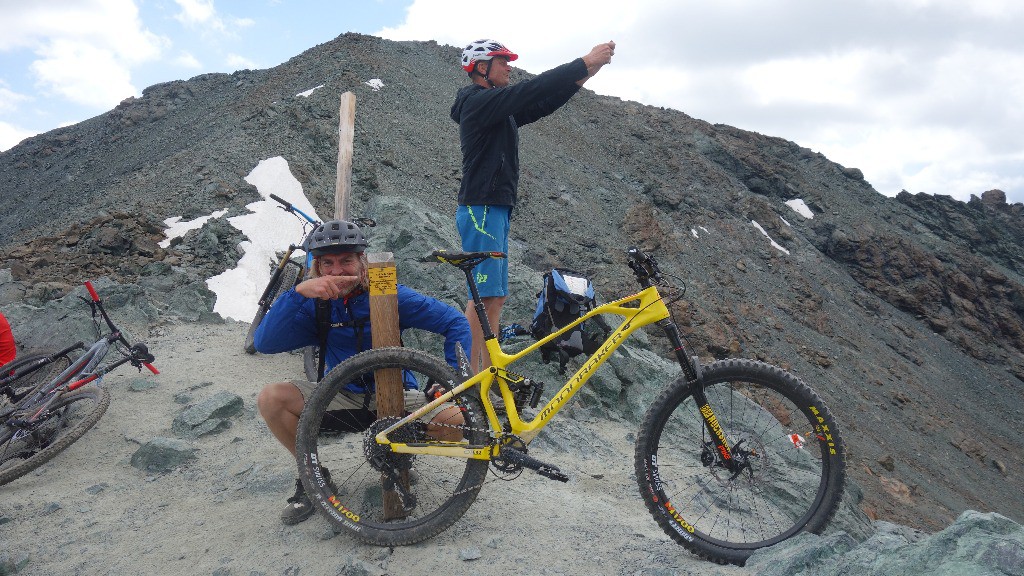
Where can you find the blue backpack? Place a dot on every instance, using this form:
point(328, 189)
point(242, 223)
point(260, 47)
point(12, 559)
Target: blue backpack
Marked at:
point(564, 298)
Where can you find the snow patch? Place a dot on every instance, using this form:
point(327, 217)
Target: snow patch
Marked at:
point(175, 227)
point(268, 230)
point(308, 92)
point(775, 244)
point(800, 208)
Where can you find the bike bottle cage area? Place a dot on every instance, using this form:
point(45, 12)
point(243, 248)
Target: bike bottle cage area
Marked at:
point(462, 260)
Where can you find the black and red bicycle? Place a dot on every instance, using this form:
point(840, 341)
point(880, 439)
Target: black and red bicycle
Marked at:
point(48, 401)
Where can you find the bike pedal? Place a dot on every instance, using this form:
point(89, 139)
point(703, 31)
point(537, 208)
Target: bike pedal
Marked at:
point(546, 470)
point(553, 473)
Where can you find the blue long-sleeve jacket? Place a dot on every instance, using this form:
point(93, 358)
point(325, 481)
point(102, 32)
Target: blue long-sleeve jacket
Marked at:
point(489, 121)
point(290, 324)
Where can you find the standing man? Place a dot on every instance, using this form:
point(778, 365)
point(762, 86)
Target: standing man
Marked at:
point(489, 113)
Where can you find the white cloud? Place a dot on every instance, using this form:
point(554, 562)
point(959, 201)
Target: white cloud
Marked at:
point(85, 50)
point(83, 73)
point(11, 135)
point(240, 62)
point(9, 99)
point(187, 60)
point(202, 14)
point(199, 13)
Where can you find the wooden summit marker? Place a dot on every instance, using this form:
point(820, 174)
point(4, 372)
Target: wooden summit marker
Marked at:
point(384, 330)
point(346, 133)
point(383, 277)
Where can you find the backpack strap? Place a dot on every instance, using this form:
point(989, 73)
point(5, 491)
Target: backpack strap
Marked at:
point(323, 325)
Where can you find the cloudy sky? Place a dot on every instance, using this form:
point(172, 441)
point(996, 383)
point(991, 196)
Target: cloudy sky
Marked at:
point(922, 95)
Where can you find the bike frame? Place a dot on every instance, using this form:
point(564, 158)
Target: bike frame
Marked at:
point(650, 310)
point(640, 309)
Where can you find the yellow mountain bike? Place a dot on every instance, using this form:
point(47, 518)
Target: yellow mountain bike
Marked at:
point(730, 457)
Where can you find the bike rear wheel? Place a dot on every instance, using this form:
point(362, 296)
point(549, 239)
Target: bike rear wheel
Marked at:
point(35, 369)
point(771, 420)
point(281, 282)
point(439, 488)
point(24, 448)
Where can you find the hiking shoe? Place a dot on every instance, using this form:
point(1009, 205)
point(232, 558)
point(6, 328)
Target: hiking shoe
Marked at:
point(300, 507)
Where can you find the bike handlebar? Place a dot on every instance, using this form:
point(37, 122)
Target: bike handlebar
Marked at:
point(92, 291)
point(139, 354)
point(289, 207)
point(644, 267)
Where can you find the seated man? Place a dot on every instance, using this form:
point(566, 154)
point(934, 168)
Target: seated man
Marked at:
point(340, 276)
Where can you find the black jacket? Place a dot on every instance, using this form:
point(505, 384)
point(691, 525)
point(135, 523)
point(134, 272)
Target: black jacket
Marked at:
point(489, 120)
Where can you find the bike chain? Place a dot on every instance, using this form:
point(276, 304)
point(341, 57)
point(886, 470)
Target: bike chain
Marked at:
point(492, 444)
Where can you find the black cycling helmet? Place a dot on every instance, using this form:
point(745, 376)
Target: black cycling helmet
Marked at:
point(335, 236)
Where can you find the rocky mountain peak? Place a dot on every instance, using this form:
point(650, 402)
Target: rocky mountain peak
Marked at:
point(906, 313)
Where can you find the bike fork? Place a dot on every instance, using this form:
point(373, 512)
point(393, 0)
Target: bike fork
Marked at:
point(692, 369)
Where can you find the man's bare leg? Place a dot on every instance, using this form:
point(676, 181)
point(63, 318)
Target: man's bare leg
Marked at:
point(280, 405)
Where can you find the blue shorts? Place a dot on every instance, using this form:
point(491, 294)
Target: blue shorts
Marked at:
point(485, 229)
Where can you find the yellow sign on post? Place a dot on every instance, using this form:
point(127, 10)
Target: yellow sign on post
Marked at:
point(384, 280)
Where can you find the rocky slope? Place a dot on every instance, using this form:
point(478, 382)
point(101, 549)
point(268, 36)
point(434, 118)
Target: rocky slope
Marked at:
point(906, 313)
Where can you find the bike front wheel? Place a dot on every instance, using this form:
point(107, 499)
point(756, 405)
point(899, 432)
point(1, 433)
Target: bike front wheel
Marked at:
point(378, 496)
point(787, 469)
point(281, 282)
point(26, 446)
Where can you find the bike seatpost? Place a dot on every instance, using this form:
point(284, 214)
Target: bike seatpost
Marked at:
point(478, 304)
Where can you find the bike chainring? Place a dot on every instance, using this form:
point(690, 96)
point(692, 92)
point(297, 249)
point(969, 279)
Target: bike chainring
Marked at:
point(501, 465)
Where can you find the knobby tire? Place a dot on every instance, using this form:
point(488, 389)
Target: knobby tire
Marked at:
point(793, 483)
point(311, 362)
point(70, 416)
point(280, 283)
point(443, 487)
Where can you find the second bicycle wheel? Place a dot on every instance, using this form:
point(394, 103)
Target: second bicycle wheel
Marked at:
point(25, 447)
point(279, 284)
point(31, 371)
point(311, 362)
point(788, 462)
point(359, 493)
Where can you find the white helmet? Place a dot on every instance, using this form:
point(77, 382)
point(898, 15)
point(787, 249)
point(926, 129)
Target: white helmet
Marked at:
point(482, 51)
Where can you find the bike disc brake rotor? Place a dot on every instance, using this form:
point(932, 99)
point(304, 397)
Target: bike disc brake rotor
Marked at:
point(749, 456)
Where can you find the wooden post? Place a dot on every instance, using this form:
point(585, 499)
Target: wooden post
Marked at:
point(383, 295)
point(346, 134)
point(384, 330)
